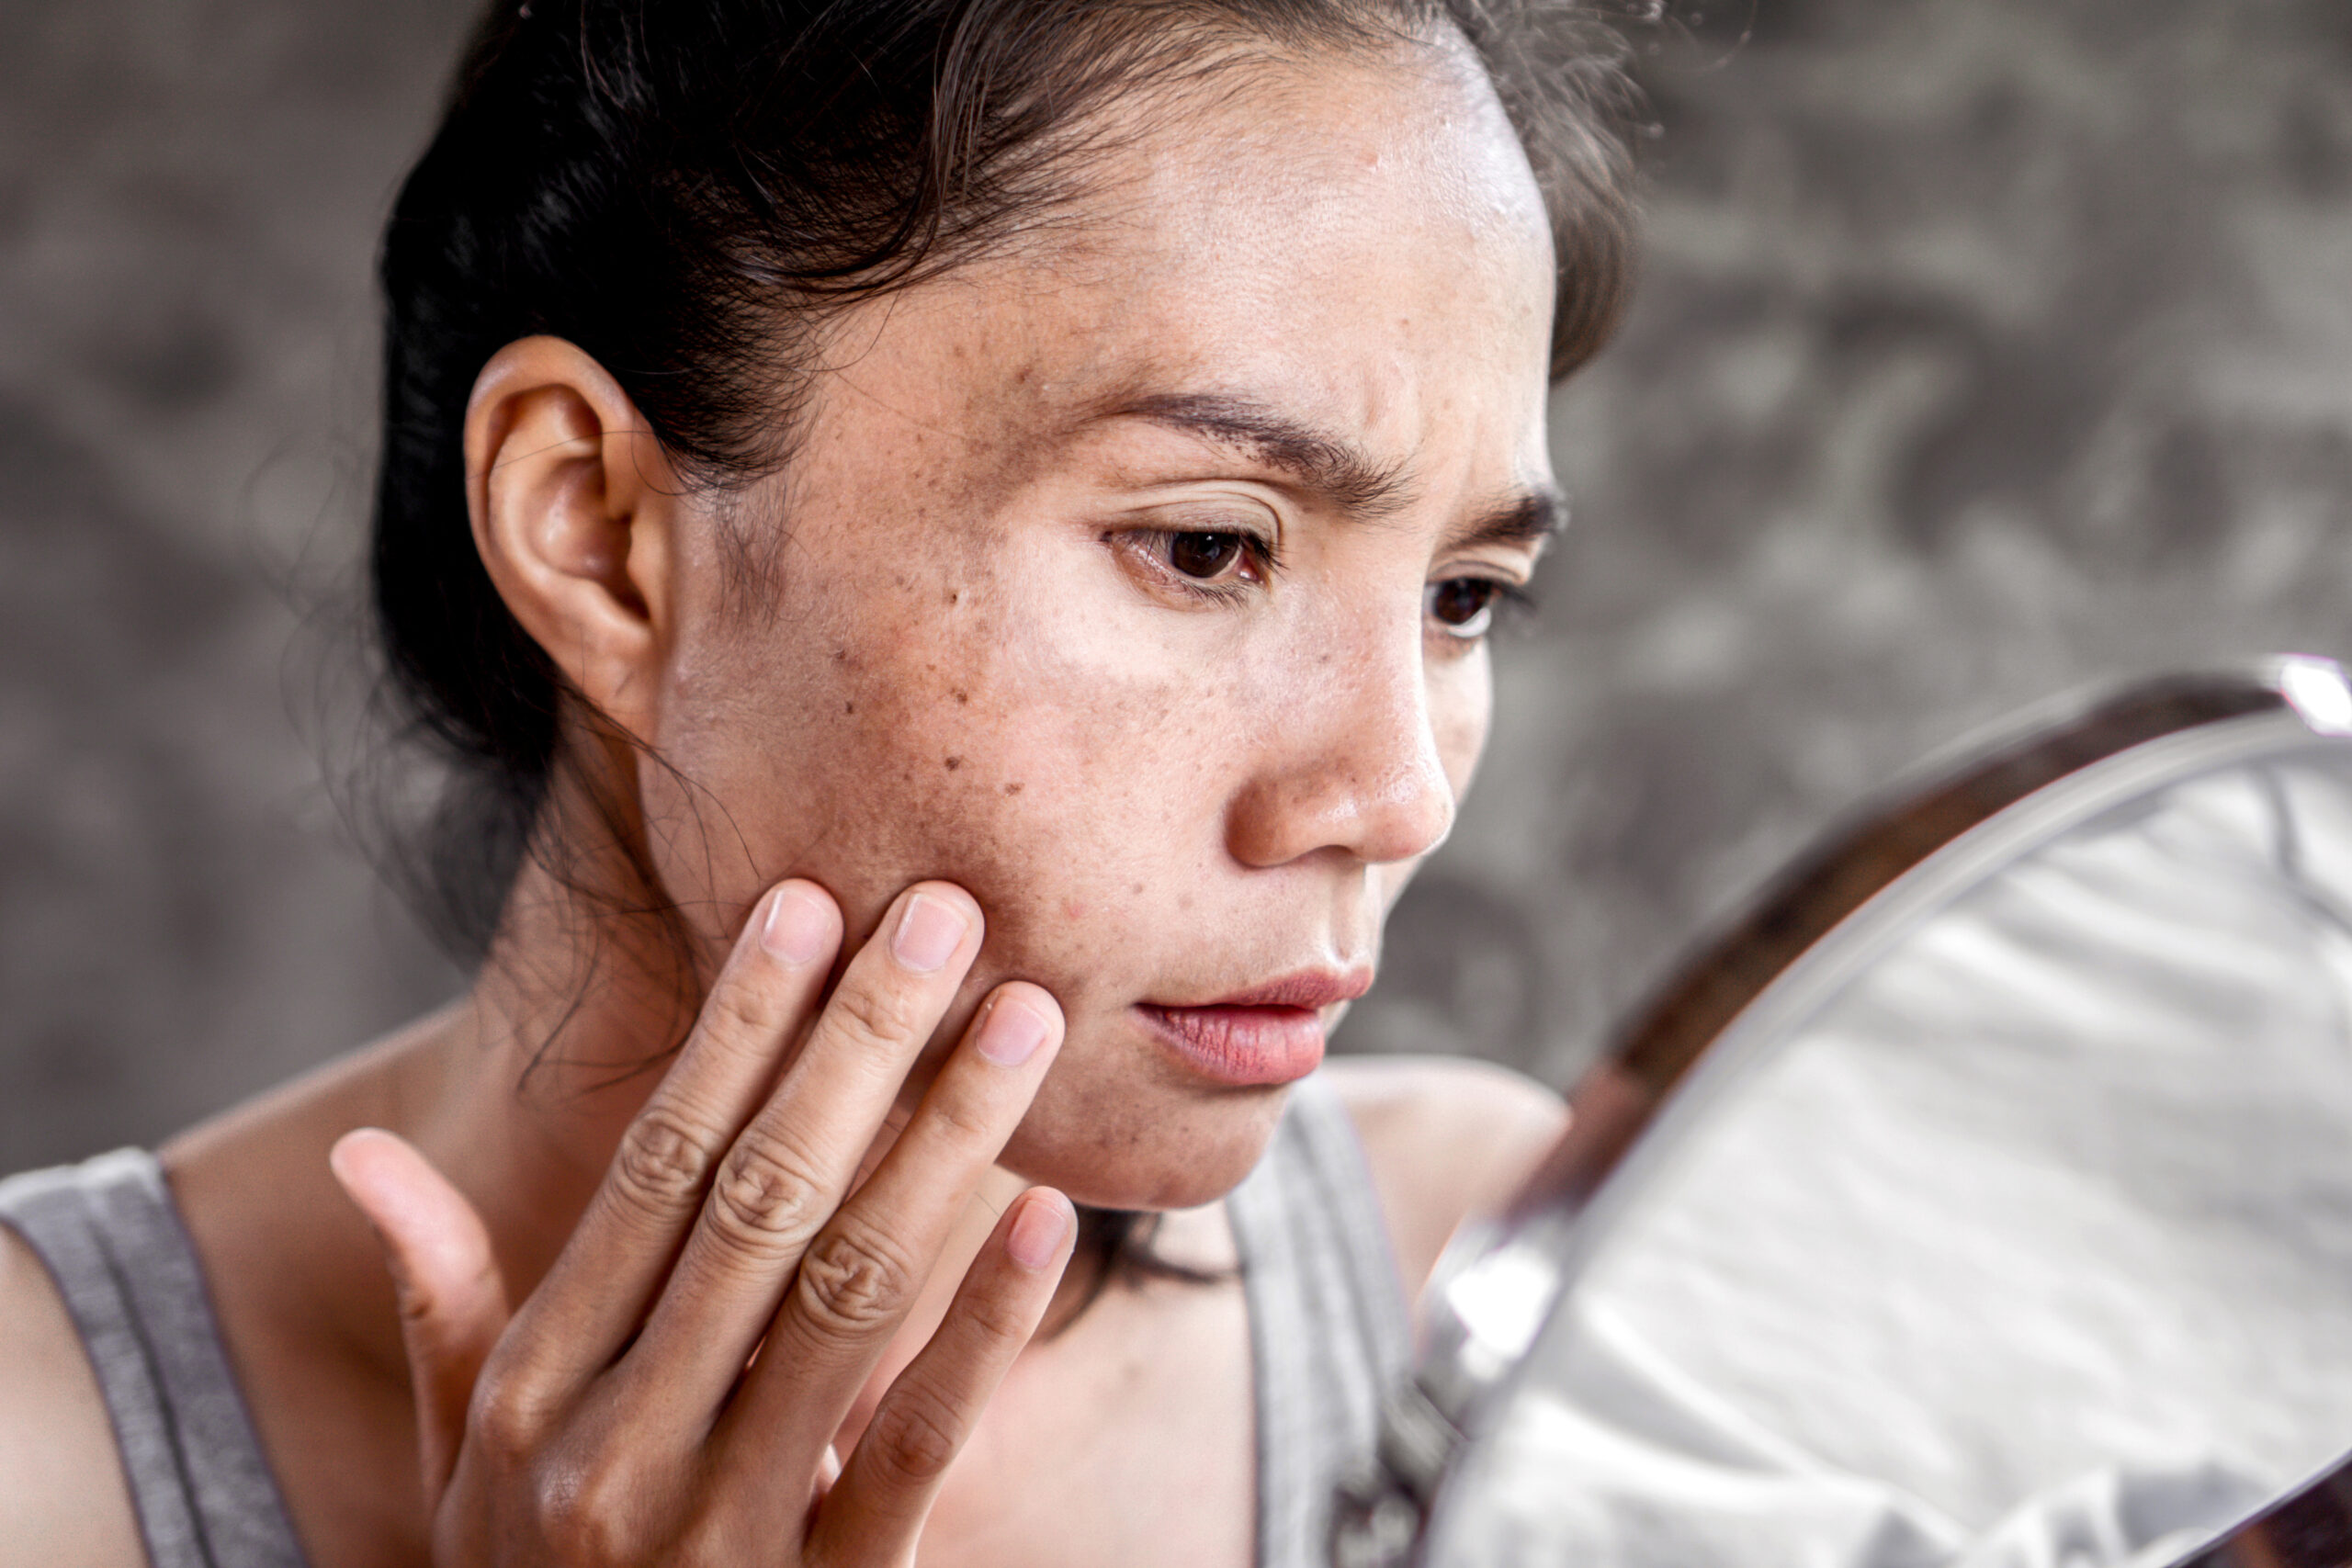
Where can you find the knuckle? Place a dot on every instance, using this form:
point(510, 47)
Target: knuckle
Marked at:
point(965, 1119)
point(853, 1283)
point(661, 1162)
point(914, 1440)
point(419, 1308)
point(875, 1015)
point(586, 1510)
point(741, 1007)
point(997, 1320)
point(766, 1195)
point(508, 1415)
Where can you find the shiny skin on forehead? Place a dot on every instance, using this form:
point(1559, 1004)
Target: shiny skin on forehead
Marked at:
point(1356, 244)
point(1326, 184)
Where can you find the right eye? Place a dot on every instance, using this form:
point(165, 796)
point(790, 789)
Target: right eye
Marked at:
point(1226, 562)
point(1205, 557)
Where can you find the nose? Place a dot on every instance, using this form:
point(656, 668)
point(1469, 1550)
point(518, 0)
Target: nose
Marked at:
point(1348, 763)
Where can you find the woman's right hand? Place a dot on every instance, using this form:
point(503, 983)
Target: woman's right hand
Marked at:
point(619, 1416)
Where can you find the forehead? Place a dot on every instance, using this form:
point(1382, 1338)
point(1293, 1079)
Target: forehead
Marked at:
point(1270, 140)
point(1356, 242)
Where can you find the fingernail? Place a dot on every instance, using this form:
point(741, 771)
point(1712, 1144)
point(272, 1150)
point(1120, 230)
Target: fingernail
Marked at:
point(1037, 1233)
point(928, 934)
point(1011, 1034)
point(797, 928)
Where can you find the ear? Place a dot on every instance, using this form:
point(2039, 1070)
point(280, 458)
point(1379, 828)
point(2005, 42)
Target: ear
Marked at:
point(575, 508)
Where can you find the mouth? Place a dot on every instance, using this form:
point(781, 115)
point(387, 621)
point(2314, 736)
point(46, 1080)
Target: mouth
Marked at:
point(1267, 1034)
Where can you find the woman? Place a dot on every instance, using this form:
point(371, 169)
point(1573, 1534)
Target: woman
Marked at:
point(948, 547)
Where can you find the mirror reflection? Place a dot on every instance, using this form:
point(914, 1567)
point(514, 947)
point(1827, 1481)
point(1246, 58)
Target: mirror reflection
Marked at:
point(2025, 1238)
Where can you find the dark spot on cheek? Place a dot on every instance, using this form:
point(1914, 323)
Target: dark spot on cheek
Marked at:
point(955, 596)
point(1012, 788)
point(849, 707)
point(1137, 888)
point(841, 656)
point(953, 764)
point(961, 696)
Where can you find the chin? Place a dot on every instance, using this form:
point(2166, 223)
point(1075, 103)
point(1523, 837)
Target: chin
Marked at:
point(1141, 1144)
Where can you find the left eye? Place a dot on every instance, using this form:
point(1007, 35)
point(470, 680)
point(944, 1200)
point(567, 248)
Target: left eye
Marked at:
point(1464, 607)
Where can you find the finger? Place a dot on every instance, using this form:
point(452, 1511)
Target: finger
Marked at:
point(829, 1470)
point(452, 1297)
point(611, 1269)
point(861, 1275)
point(787, 1172)
point(876, 1509)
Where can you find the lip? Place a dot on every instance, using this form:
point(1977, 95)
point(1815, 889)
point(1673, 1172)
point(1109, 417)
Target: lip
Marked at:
point(1267, 1034)
point(1311, 989)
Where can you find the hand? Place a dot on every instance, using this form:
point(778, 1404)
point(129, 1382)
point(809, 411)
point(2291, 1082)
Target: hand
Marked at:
point(620, 1417)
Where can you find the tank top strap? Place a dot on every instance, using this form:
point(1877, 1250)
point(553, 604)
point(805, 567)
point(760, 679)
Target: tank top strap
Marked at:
point(111, 1239)
point(1329, 1329)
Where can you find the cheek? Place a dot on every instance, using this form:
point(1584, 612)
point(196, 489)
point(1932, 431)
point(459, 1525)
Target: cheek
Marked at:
point(936, 720)
point(1462, 705)
point(1062, 773)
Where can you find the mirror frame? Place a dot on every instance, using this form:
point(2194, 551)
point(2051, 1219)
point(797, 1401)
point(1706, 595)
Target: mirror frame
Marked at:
point(1906, 852)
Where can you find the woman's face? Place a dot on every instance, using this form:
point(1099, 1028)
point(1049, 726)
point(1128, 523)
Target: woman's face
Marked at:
point(1135, 582)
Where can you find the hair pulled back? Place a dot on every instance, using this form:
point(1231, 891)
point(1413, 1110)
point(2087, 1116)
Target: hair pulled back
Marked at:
point(683, 188)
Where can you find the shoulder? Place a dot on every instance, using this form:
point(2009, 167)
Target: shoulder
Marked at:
point(1447, 1138)
point(63, 1503)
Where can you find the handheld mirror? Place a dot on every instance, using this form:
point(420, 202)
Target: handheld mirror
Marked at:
point(1981, 1197)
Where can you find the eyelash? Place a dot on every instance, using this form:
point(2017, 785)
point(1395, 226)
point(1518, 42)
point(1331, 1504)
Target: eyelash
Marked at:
point(1508, 600)
point(1258, 554)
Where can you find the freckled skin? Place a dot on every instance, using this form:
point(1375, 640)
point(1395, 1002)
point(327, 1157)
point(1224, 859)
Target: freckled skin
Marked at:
point(974, 659)
point(1153, 800)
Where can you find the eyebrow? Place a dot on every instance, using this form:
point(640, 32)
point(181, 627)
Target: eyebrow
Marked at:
point(1531, 518)
point(1332, 466)
point(1335, 469)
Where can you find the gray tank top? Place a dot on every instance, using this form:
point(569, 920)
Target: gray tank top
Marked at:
point(1327, 1333)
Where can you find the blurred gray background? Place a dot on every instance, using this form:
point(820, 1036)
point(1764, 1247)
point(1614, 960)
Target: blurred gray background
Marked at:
point(1985, 348)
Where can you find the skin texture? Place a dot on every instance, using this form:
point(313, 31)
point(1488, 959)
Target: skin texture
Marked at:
point(1156, 799)
point(951, 647)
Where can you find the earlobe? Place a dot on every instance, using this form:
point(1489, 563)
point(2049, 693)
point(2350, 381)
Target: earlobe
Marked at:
point(573, 502)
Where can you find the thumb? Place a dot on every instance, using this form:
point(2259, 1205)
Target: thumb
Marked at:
point(452, 1298)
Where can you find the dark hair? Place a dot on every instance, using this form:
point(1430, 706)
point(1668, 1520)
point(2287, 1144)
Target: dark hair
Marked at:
point(683, 187)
